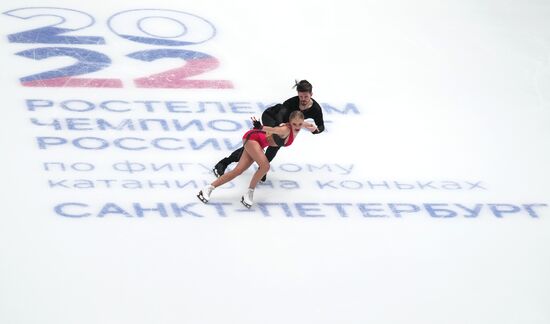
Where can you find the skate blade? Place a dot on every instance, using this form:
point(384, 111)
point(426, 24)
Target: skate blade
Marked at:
point(244, 203)
point(201, 197)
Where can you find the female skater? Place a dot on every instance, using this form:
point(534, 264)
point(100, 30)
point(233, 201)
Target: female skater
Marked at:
point(254, 141)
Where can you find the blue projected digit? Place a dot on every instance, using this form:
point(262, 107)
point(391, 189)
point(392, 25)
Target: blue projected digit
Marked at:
point(69, 21)
point(161, 27)
point(88, 61)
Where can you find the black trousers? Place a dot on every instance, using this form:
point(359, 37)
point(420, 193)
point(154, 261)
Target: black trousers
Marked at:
point(271, 151)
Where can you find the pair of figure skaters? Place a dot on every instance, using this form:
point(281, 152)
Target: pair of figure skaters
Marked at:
point(281, 125)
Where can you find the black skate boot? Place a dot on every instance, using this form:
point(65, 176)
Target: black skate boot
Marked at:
point(219, 169)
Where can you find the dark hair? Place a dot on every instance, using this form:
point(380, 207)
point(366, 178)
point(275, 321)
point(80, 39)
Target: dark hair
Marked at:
point(296, 114)
point(303, 86)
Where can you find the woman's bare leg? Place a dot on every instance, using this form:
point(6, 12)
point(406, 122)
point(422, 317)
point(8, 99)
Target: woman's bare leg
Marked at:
point(244, 163)
point(255, 152)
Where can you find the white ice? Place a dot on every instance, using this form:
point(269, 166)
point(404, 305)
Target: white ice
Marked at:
point(446, 92)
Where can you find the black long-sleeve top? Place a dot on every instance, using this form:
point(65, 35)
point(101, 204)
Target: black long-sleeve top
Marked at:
point(282, 112)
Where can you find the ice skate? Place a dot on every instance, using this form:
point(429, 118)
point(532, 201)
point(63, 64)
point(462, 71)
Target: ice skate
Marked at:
point(246, 200)
point(204, 194)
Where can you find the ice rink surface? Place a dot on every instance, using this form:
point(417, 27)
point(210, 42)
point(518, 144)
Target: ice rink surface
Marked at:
point(426, 200)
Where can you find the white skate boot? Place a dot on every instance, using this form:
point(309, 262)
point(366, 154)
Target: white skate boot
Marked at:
point(247, 198)
point(204, 194)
